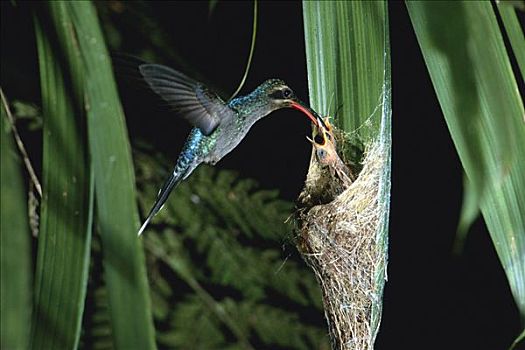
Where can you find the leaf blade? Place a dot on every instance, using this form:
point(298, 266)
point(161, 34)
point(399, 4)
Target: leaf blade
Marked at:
point(15, 255)
point(471, 73)
point(124, 265)
point(514, 32)
point(67, 211)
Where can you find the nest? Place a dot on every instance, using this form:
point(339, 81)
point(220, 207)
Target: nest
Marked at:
point(340, 239)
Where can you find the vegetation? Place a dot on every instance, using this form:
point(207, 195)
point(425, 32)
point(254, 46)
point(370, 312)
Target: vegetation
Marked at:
point(212, 272)
point(470, 68)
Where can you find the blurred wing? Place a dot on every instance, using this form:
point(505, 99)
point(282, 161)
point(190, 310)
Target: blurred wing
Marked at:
point(188, 98)
point(126, 68)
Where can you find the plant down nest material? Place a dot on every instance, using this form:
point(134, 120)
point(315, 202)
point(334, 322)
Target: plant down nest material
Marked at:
point(339, 224)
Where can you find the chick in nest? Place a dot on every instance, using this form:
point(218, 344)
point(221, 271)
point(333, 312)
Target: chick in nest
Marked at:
point(325, 146)
point(328, 175)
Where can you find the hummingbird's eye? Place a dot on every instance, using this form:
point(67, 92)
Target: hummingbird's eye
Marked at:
point(287, 93)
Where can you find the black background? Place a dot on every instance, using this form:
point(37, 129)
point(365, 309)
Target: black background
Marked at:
point(433, 299)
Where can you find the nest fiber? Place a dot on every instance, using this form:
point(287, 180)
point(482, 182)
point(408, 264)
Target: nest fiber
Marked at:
point(343, 243)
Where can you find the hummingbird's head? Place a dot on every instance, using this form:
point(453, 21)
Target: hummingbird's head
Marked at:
point(279, 95)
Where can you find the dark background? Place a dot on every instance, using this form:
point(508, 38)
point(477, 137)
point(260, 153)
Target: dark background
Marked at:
point(433, 298)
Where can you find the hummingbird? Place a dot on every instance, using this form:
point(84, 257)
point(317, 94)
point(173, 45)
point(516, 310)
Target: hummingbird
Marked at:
point(218, 126)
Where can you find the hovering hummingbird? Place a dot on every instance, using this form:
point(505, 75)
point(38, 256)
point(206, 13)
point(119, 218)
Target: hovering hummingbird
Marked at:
point(219, 126)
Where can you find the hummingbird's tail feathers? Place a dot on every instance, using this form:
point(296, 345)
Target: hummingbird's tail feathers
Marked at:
point(174, 179)
point(144, 225)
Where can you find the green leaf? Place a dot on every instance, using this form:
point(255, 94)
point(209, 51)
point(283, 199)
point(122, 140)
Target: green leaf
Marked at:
point(473, 79)
point(348, 61)
point(517, 4)
point(15, 249)
point(67, 209)
point(514, 32)
point(83, 47)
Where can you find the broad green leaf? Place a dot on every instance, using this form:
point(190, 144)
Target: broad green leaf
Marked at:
point(473, 79)
point(348, 61)
point(67, 209)
point(82, 42)
point(15, 248)
point(347, 54)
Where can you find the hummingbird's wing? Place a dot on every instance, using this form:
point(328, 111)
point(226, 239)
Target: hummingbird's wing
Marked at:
point(188, 98)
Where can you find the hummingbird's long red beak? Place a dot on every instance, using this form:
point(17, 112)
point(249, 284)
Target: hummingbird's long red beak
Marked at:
point(310, 114)
point(306, 111)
